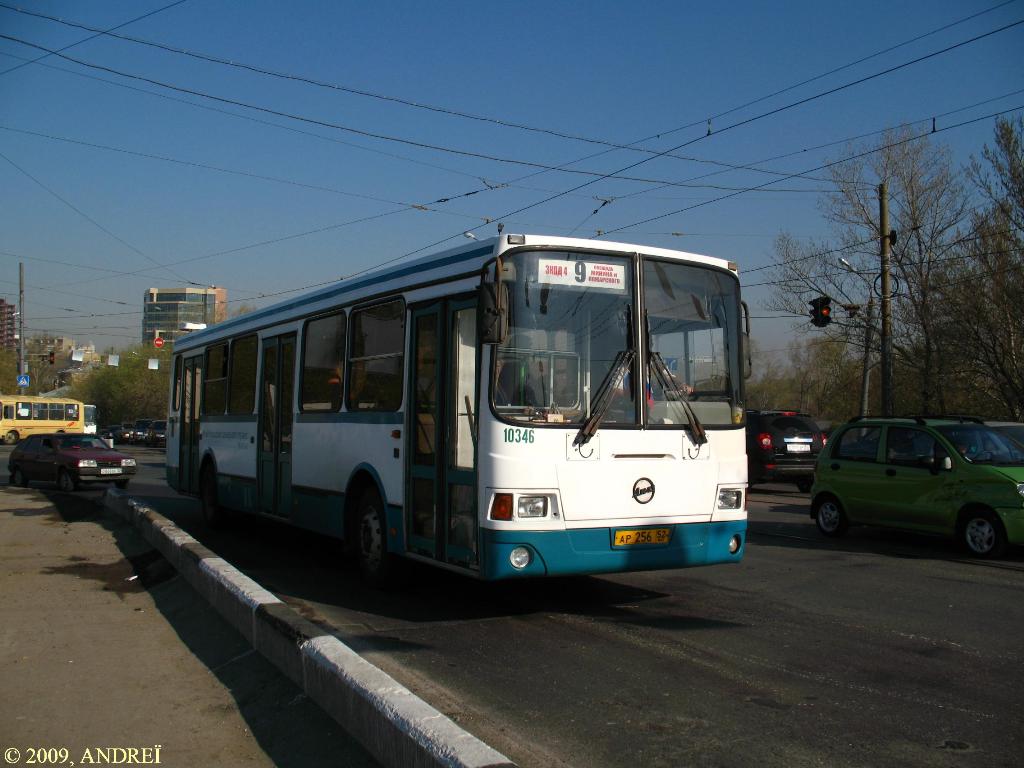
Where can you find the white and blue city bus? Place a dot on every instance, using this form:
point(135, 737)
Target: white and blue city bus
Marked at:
point(523, 406)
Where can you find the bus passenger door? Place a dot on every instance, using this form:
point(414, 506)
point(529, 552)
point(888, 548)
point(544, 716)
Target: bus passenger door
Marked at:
point(188, 418)
point(441, 484)
point(277, 389)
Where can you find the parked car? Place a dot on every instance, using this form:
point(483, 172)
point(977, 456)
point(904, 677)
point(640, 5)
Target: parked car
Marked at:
point(110, 432)
point(137, 433)
point(954, 477)
point(782, 446)
point(156, 435)
point(69, 460)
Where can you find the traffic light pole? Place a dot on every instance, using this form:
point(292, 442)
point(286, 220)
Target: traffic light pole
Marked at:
point(865, 376)
point(883, 215)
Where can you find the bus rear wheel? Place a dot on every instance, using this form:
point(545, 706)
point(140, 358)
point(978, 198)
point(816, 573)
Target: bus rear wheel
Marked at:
point(11, 437)
point(375, 563)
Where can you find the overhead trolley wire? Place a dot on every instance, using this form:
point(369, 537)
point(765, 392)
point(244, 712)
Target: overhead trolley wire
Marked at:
point(93, 221)
point(99, 32)
point(481, 118)
point(484, 156)
point(819, 167)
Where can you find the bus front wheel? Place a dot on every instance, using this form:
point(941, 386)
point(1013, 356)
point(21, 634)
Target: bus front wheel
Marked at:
point(213, 513)
point(375, 563)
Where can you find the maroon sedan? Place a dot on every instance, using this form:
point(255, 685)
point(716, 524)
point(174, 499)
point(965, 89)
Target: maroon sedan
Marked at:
point(69, 460)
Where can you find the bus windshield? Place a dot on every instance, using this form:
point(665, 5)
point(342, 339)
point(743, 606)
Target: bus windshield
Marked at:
point(574, 318)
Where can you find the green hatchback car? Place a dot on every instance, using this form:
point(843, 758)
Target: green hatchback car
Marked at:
point(954, 477)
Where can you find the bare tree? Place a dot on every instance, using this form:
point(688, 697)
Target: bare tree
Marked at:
point(983, 292)
point(927, 209)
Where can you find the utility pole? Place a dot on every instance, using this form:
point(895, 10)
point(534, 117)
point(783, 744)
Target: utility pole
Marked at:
point(886, 237)
point(21, 322)
point(865, 377)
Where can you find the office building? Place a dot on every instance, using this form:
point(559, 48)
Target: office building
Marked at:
point(166, 310)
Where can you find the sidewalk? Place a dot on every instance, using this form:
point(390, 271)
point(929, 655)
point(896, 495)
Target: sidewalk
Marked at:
point(103, 645)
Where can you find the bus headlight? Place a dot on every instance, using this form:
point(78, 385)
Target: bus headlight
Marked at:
point(519, 558)
point(730, 498)
point(87, 462)
point(533, 506)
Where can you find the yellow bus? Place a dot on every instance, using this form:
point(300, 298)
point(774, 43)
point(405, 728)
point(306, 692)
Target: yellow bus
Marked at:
point(23, 415)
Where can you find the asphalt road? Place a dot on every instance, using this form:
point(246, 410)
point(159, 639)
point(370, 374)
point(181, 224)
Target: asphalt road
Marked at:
point(879, 649)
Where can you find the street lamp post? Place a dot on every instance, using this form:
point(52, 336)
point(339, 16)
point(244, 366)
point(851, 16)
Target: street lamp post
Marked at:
point(886, 240)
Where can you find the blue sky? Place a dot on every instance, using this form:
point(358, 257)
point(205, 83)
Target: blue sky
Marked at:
point(306, 202)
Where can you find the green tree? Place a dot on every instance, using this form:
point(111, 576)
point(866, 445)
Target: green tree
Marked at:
point(129, 390)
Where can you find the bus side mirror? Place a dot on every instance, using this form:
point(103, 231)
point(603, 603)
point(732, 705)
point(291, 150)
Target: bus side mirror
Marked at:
point(493, 313)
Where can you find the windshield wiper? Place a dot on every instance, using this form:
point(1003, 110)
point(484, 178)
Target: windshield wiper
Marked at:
point(668, 385)
point(603, 398)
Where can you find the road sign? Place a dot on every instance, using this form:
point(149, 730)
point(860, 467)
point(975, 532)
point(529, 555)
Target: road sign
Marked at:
point(158, 342)
point(24, 380)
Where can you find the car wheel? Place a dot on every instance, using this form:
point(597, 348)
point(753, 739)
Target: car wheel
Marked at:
point(11, 437)
point(830, 517)
point(375, 563)
point(18, 478)
point(65, 481)
point(122, 484)
point(804, 486)
point(213, 512)
point(982, 533)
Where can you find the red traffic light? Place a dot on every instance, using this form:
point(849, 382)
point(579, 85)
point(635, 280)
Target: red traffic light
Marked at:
point(821, 311)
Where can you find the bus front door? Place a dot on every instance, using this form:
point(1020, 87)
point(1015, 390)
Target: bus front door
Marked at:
point(188, 417)
point(277, 389)
point(441, 434)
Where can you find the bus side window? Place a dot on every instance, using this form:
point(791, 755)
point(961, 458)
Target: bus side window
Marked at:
point(8, 411)
point(376, 357)
point(24, 411)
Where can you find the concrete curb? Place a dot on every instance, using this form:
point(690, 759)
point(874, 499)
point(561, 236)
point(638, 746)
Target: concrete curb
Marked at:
point(396, 727)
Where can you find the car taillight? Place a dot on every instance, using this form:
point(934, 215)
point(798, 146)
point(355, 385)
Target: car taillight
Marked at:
point(824, 439)
point(765, 441)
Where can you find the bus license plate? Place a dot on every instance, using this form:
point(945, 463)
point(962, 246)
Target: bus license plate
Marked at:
point(627, 538)
point(110, 471)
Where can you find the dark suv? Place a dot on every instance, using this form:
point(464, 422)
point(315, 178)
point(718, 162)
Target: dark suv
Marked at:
point(782, 446)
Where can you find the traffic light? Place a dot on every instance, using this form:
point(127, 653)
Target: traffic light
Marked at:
point(821, 311)
point(52, 357)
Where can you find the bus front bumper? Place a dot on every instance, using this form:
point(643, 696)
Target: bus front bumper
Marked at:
point(591, 550)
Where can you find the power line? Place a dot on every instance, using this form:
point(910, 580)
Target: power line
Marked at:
point(446, 199)
point(91, 220)
point(484, 156)
point(98, 32)
point(817, 168)
point(461, 114)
